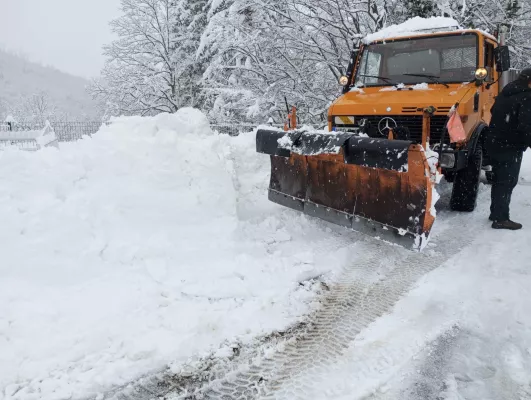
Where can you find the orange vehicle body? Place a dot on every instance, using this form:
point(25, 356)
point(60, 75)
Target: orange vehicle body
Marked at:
point(379, 101)
point(370, 178)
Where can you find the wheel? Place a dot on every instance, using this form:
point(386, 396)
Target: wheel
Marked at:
point(490, 176)
point(466, 183)
point(449, 177)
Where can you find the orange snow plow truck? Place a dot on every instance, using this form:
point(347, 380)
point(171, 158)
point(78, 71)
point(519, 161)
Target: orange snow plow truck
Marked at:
point(414, 108)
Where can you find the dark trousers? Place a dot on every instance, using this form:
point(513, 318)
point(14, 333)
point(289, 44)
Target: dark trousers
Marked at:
point(505, 168)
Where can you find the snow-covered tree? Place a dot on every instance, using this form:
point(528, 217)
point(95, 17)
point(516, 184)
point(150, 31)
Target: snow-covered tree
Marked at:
point(139, 76)
point(265, 51)
point(151, 67)
point(188, 26)
point(38, 107)
point(489, 16)
point(4, 109)
point(240, 60)
point(419, 8)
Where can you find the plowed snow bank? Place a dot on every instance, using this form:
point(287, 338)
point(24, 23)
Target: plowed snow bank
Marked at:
point(150, 243)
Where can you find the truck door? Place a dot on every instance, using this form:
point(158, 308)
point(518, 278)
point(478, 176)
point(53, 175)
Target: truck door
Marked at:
point(489, 94)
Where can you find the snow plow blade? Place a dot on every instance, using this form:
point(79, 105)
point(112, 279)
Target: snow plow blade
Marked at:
point(379, 187)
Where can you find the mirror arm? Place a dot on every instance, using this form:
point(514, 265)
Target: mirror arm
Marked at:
point(489, 85)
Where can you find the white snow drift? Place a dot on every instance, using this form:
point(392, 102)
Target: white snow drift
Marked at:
point(150, 243)
point(153, 243)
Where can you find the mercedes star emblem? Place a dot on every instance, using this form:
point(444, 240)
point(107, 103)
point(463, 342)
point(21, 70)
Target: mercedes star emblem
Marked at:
point(385, 125)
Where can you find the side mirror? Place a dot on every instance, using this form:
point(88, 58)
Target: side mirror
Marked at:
point(503, 58)
point(350, 69)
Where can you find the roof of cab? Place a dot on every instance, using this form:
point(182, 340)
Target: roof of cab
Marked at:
point(421, 27)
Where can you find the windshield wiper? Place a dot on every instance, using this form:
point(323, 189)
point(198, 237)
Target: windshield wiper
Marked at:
point(383, 78)
point(432, 77)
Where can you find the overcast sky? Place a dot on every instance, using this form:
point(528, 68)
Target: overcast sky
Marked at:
point(67, 34)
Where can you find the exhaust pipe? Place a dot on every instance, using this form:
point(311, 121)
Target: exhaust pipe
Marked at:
point(504, 79)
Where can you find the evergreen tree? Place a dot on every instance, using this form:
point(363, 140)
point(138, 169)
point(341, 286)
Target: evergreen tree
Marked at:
point(513, 9)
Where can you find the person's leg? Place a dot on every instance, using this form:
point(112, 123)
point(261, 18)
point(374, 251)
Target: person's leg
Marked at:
point(506, 169)
point(502, 185)
point(496, 191)
point(515, 164)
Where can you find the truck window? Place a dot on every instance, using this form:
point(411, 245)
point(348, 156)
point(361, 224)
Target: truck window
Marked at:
point(489, 61)
point(452, 59)
point(459, 58)
point(370, 65)
point(419, 62)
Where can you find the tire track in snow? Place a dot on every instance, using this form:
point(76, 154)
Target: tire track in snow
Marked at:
point(360, 297)
point(431, 382)
point(459, 364)
point(286, 368)
point(428, 378)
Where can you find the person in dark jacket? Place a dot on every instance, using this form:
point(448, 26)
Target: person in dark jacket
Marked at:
point(508, 136)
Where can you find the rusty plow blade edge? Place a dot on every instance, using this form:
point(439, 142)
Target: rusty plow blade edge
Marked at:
point(378, 187)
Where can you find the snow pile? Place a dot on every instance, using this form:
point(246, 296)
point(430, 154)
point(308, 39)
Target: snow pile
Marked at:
point(150, 243)
point(357, 90)
point(285, 142)
point(421, 86)
point(413, 26)
point(393, 88)
point(29, 140)
point(401, 86)
point(433, 160)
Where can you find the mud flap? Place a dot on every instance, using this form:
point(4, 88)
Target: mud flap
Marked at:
point(378, 187)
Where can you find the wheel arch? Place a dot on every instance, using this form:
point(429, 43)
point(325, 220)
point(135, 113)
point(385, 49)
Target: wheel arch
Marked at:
point(477, 137)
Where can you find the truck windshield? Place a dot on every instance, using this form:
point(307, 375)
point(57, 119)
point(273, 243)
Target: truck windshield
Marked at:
point(448, 59)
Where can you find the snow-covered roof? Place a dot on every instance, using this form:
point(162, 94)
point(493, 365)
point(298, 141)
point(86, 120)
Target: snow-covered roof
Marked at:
point(414, 26)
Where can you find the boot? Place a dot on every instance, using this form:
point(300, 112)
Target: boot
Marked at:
point(508, 224)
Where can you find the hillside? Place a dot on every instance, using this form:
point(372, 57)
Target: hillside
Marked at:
point(25, 86)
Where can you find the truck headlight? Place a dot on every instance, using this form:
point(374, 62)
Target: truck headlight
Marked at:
point(447, 160)
point(481, 74)
point(343, 81)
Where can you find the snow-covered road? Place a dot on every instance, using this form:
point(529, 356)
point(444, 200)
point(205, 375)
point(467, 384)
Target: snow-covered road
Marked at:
point(151, 250)
point(462, 330)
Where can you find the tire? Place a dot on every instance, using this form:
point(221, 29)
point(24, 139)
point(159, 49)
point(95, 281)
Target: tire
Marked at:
point(466, 183)
point(449, 177)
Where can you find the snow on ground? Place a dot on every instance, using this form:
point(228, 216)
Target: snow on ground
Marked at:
point(463, 332)
point(153, 242)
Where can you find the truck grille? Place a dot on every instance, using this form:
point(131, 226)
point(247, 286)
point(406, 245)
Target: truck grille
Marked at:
point(437, 129)
point(413, 123)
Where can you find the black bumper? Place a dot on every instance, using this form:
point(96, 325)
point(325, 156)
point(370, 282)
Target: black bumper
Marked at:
point(461, 160)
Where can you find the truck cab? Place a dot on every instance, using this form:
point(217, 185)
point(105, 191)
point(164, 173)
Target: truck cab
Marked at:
point(377, 170)
point(392, 82)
